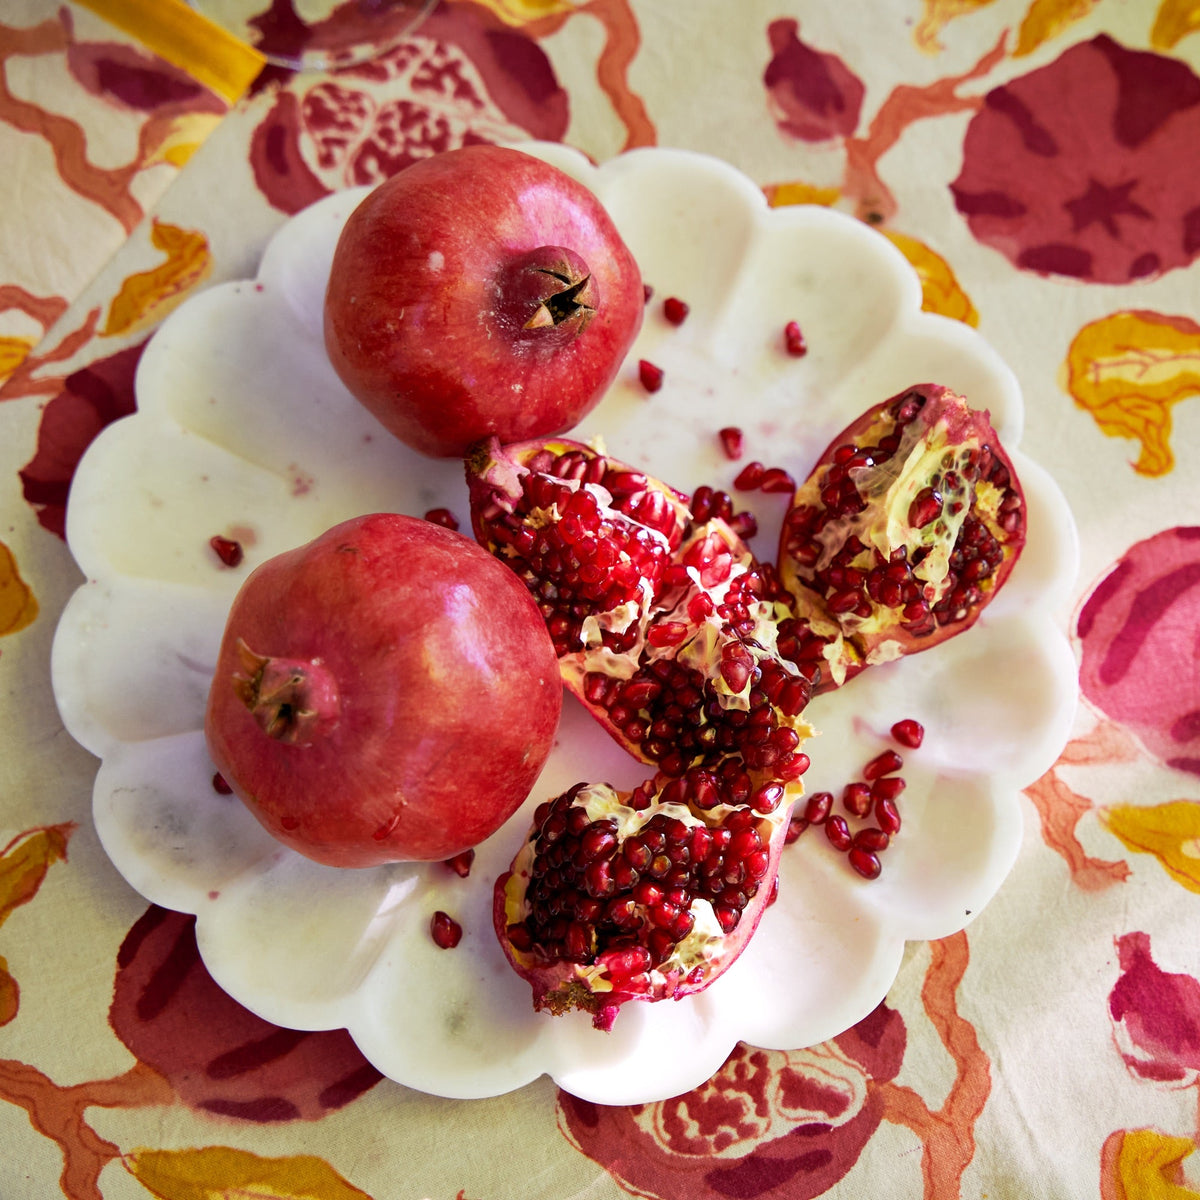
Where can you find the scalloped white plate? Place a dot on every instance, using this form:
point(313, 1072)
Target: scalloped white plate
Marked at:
point(243, 430)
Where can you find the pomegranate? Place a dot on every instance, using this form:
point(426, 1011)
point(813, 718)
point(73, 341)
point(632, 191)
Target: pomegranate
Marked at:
point(387, 692)
point(480, 291)
point(665, 628)
point(908, 525)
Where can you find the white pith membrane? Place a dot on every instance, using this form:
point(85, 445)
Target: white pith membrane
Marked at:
point(891, 487)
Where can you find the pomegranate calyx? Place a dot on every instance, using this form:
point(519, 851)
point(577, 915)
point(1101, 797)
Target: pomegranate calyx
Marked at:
point(294, 701)
point(551, 288)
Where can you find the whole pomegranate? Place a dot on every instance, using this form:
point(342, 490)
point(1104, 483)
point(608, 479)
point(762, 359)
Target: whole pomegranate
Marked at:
point(480, 291)
point(387, 692)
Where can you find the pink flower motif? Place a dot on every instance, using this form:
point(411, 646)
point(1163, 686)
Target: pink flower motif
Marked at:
point(91, 398)
point(1156, 1016)
point(1141, 653)
point(770, 1125)
point(463, 77)
point(217, 1055)
point(1077, 168)
point(813, 96)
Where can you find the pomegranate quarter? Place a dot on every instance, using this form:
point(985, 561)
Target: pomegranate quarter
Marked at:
point(388, 692)
point(481, 291)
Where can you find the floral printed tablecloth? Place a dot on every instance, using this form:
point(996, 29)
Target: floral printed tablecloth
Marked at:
point(1038, 161)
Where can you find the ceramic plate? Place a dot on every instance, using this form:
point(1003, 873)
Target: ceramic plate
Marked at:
point(243, 430)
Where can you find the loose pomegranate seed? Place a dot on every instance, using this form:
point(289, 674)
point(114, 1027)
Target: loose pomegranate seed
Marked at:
point(777, 480)
point(733, 442)
point(909, 733)
point(220, 786)
point(675, 310)
point(882, 764)
point(227, 550)
point(889, 787)
point(445, 930)
point(856, 799)
point(793, 340)
point(864, 862)
point(887, 815)
point(838, 832)
point(647, 292)
point(442, 516)
point(796, 826)
point(651, 377)
point(460, 864)
point(749, 477)
point(818, 808)
point(871, 839)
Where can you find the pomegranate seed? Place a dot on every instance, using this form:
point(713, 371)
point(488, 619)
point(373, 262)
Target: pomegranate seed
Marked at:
point(651, 377)
point(647, 292)
point(443, 517)
point(445, 930)
point(460, 864)
point(909, 733)
point(865, 863)
point(871, 839)
point(882, 764)
point(675, 310)
point(220, 786)
point(796, 826)
point(732, 442)
point(887, 815)
point(793, 340)
point(777, 480)
point(856, 799)
point(749, 477)
point(838, 833)
point(818, 808)
point(227, 550)
point(889, 788)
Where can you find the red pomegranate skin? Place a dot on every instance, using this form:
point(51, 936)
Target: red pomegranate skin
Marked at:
point(1139, 630)
point(436, 278)
point(409, 699)
point(219, 1056)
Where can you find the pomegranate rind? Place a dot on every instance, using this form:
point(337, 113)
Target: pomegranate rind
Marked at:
point(925, 503)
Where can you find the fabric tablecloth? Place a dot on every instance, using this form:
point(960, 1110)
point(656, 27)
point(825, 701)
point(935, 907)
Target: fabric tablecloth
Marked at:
point(1038, 161)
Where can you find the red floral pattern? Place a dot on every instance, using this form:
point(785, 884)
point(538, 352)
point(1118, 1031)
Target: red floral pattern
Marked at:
point(1075, 169)
point(769, 1125)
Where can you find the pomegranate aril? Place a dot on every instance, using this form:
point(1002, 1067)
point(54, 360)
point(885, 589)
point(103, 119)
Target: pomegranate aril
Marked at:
point(460, 864)
point(865, 862)
point(909, 733)
point(875, 840)
point(818, 808)
point(796, 826)
point(777, 481)
point(227, 550)
point(649, 375)
point(889, 787)
point(445, 930)
point(793, 340)
point(675, 310)
point(443, 517)
point(887, 815)
point(732, 442)
point(882, 764)
point(220, 785)
point(856, 799)
point(749, 477)
point(837, 830)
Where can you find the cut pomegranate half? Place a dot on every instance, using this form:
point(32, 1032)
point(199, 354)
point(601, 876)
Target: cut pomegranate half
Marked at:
point(905, 530)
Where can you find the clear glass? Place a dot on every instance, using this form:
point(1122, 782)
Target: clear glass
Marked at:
point(317, 35)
